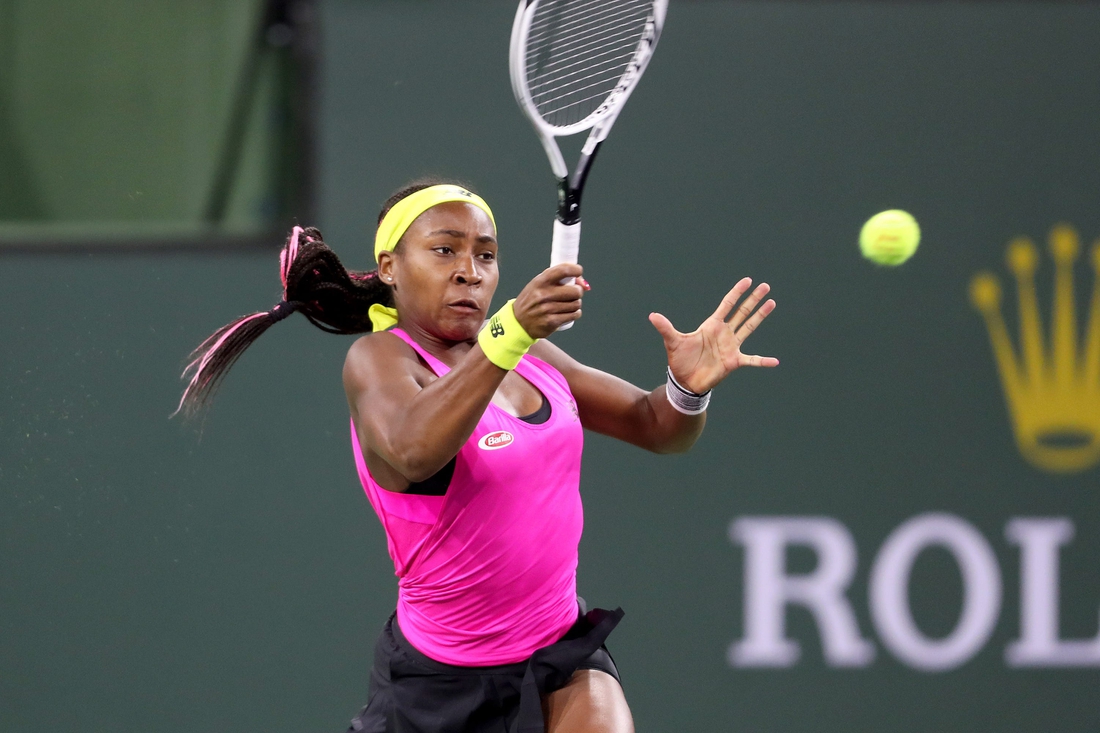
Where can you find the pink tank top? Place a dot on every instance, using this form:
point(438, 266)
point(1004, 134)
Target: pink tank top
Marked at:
point(488, 572)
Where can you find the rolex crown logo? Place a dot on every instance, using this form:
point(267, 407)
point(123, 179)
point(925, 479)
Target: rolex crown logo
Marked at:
point(1052, 389)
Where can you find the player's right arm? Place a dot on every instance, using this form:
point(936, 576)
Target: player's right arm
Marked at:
point(410, 423)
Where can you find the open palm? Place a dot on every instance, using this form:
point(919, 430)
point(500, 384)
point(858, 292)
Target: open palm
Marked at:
point(701, 359)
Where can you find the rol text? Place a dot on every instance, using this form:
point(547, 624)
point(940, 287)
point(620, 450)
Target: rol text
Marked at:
point(769, 590)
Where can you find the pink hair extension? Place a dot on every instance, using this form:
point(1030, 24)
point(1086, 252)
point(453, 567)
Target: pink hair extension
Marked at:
point(289, 254)
point(316, 284)
point(205, 351)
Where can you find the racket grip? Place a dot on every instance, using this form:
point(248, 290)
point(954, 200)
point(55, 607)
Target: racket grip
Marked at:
point(566, 244)
point(565, 247)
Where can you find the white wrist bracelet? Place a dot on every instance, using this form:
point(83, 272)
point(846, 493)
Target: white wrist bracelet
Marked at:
point(683, 399)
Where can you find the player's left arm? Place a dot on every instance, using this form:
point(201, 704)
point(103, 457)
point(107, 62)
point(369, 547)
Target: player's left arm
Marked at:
point(699, 361)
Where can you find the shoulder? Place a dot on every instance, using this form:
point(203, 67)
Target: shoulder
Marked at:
point(383, 345)
point(379, 357)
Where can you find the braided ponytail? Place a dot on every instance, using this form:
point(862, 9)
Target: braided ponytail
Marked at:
point(316, 284)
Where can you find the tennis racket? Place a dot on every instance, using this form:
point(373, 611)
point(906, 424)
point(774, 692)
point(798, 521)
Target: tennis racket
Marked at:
point(574, 64)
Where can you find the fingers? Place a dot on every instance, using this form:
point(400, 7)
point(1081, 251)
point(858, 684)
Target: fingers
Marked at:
point(731, 298)
point(568, 318)
point(554, 307)
point(665, 328)
point(557, 273)
point(746, 308)
point(754, 321)
point(759, 361)
point(546, 318)
point(566, 313)
point(562, 282)
point(546, 303)
point(563, 292)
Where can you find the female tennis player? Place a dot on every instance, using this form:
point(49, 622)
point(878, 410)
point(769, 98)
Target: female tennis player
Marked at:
point(467, 432)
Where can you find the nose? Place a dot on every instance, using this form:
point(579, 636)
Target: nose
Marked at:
point(466, 270)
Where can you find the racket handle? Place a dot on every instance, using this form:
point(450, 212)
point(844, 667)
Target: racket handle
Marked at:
point(566, 244)
point(565, 247)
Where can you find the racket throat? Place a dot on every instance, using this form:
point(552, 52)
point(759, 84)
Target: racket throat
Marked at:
point(570, 189)
point(569, 203)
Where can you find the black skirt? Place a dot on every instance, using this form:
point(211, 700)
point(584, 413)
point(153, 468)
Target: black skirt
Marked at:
point(412, 693)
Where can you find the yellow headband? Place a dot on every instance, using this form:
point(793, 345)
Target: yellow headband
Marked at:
point(399, 218)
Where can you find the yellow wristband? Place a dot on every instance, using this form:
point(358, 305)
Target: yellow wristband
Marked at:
point(503, 340)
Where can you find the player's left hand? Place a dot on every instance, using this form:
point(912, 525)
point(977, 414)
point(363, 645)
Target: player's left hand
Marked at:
point(701, 359)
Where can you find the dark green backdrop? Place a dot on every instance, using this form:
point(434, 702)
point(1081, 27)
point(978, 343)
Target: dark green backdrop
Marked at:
point(230, 576)
point(118, 122)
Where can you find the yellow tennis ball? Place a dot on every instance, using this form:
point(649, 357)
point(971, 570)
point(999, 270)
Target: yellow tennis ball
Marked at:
point(889, 237)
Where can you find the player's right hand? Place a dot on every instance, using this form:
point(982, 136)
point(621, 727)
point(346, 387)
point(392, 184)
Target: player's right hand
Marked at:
point(546, 302)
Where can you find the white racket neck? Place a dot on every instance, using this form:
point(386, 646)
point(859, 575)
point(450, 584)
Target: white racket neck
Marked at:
point(553, 152)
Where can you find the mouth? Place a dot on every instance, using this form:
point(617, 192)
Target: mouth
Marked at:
point(465, 306)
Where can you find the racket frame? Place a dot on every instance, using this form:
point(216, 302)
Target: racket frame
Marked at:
point(565, 245)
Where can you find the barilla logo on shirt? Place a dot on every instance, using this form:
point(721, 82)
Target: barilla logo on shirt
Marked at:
point(496, 440)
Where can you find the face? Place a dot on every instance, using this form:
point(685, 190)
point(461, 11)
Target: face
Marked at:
point(444, 272)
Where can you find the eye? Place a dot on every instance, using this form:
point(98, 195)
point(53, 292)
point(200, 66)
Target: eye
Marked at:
point(443, 249)
point(488, 256)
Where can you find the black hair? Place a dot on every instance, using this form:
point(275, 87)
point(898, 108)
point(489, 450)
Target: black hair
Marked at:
point(316, 284)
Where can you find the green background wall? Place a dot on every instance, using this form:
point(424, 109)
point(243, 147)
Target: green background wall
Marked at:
point(230, 575)
point(114, 116)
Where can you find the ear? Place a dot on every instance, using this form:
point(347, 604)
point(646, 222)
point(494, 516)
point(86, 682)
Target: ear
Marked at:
point(387, 265)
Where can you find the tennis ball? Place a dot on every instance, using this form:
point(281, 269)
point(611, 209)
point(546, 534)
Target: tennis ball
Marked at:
point(889, 237)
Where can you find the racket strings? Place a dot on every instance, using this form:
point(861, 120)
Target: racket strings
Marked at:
point(581, 21)
point(584, 73)
point(590, 48)
point(601, 81)
point(569, 41)
point(579, 72)
point(578, 50)
point(601, 93)
point(600, 73)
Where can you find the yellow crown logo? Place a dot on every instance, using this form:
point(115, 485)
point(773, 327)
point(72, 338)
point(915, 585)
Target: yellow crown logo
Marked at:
point(1053, 393)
